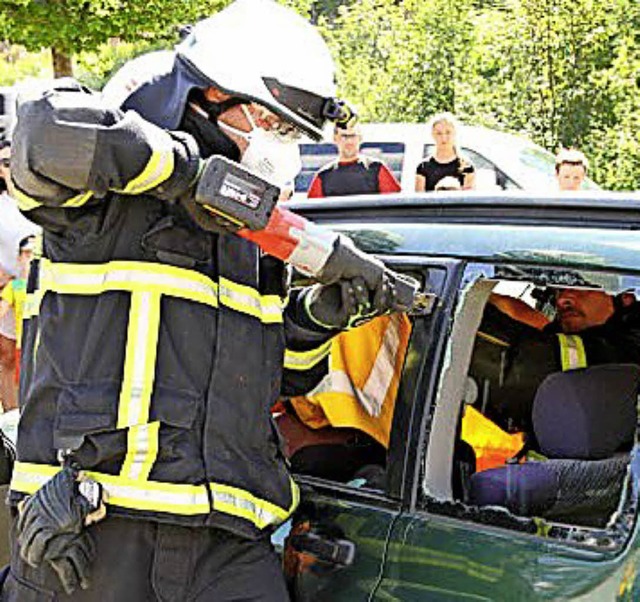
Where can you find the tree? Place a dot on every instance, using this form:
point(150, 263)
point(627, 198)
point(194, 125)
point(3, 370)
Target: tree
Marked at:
point(401, 61)
point(71, 26)
point(563, 71)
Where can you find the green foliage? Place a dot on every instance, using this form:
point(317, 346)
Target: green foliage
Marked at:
point(94, 68)
point(400, 61)
point(565, 72)
point(72, 26)
point(18, 65)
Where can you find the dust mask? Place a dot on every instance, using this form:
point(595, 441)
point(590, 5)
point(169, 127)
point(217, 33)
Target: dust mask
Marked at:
point(267, 155)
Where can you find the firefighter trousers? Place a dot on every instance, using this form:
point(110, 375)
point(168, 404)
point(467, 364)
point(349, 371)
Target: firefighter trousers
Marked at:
point(145, 561)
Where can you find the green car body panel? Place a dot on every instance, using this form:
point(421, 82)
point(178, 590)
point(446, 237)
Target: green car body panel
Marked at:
point(408, 547)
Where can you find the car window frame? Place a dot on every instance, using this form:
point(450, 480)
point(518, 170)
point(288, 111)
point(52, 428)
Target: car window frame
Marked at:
point(417, 381)
point(439, 499)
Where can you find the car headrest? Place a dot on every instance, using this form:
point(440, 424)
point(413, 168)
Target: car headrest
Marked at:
point(587, 414)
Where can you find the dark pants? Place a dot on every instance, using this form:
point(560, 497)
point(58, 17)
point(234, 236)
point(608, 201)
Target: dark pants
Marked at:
point(144, 561)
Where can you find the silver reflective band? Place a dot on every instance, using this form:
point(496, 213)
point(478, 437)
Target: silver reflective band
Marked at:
point(174, 498)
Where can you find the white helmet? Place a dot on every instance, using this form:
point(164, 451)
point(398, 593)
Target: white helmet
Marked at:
point(255, 50)
point(267, 53)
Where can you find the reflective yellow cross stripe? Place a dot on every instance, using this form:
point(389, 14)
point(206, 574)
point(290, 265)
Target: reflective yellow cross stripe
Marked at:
point(572, 353)
point(142, 451)
point(25, 202)
point(139, 276)
point(146, 495)
point(304, 360)
point(167, 497)
point(137, 385)
point(131, 276)
point(159, 167)
point(243, 504)
point(140, 359)
point(267, 308)
point(78, 200)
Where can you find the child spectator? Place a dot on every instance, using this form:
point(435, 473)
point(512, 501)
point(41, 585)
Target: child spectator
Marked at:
point(571, 169)
point(14, 294)
point(448, 183)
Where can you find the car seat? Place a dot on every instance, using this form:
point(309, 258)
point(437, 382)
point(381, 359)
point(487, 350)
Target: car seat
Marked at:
point(584, 422)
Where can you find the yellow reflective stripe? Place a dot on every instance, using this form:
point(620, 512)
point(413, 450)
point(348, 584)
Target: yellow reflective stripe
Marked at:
point(131, 276)
point(137, 386)
point(140, 359)
point(243, 298)
point(305, 360)
point(383, 370)
point(32, 303)
point(78, 200)
point(25, 202)
point(243, 504)
point(139, 276)
point(142, 451)
point(159, 167)
point(149, 495)
point(572, 353)
point(166, 497)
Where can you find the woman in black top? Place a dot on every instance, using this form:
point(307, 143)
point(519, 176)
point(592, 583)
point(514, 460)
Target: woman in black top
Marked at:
point(445, 160)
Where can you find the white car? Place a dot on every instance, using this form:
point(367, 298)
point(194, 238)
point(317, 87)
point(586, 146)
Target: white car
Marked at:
point(503, 161)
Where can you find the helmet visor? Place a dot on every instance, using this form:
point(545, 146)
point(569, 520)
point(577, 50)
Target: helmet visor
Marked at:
point(309, 107)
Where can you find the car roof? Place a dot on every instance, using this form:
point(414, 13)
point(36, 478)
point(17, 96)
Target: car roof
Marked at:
point(591, 230)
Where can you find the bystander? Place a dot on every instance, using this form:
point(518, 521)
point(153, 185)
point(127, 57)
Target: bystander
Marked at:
point(352, 172)
point(13, 227)
point(571, 169)
point(445, 160)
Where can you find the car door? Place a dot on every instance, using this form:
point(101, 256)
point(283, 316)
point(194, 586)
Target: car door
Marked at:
point(336, 547)
point(441, 548)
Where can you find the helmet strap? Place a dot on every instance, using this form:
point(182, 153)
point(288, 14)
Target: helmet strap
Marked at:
point(215, 109)
point(212, 108)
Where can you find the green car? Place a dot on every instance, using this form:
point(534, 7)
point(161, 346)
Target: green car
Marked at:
point(416, 531)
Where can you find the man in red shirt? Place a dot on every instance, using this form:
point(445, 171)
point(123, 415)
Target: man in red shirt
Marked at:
point(351, 172)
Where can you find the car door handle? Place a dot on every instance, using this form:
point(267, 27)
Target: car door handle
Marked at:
point(339, 552)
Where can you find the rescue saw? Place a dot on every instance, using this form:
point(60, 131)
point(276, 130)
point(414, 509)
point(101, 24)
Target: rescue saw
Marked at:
point(248, 205)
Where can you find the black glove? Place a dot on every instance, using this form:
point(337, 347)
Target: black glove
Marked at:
point(50, 528)
point(347, 262)
point(71, 556)
point(208, 221)
point(349, 303)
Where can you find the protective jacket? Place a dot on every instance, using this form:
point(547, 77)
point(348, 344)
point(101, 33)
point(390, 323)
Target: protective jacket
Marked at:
point(362, 378)
point(153, 349)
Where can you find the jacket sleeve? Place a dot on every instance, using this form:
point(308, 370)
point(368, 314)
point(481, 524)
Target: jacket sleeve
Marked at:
point(315, 190)
point(307, 350)
point(387, 182)
point(69, 150)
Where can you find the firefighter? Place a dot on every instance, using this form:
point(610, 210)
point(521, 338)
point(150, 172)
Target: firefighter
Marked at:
point(147, 464)
point(513, 355)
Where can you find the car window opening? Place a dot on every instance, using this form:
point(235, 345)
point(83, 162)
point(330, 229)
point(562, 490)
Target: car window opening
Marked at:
point(517, 443)
point(340, 430)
